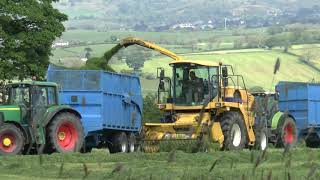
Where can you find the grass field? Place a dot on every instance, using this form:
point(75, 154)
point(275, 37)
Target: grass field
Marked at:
point(274, 164)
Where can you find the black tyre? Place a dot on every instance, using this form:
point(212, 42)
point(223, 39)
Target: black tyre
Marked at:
point(261, 138)
point(11, 140)
point(65, 133)
point(119, 143)
point(287, 133)
point(234, 131)
point(132, 143)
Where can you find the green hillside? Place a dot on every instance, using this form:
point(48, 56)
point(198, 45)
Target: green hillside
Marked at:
point(256, 66)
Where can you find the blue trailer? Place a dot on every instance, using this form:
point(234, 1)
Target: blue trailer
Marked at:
point(110, 105)
point(301, 102)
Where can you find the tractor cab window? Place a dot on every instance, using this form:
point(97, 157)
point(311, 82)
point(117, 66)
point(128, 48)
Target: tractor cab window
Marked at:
point(19, 95)
point(191, 84)
point(39, 95)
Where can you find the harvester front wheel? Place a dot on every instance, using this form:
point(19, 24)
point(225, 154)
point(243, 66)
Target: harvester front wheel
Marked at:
point(234, 131)
point(119, 143)
point(65, 133)
point(11, 140)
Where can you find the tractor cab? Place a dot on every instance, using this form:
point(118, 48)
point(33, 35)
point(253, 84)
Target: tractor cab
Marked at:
point(33, 98)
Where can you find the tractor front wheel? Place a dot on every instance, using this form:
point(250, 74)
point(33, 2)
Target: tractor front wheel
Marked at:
point(234, 131)
point(11, 140)
point(65, 133)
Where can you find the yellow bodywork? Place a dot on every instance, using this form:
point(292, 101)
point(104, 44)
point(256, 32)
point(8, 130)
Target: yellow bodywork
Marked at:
point(188, 123)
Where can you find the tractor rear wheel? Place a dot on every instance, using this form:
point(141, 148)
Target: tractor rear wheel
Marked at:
point(65, 133)
point(287, 133)
point(234, 131)
point(11, 140)
point(119, 143)
point(132, 141)
point(261, 138)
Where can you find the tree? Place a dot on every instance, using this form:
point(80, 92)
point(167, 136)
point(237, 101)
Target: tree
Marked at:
point(27, 31)
point(135, 57)
point(88, 52)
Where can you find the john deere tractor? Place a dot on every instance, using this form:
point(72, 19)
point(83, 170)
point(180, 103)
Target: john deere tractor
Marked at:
point(31, 120)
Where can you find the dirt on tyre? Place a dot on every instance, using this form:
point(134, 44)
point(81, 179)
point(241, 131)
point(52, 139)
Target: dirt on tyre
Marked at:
point(132, 143)
point(261, 138)
point(65, 133)
point(287, 133)
point(234, 131)
point(119, 143)
point(11, 140)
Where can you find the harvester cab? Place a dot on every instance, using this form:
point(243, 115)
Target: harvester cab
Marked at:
point(31, 118)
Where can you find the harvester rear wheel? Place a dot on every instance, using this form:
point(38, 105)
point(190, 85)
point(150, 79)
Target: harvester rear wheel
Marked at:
point(11, 140)
point(261, 138)
point(119, 143)
point(65, 133)
point(132, 142)
point(234, 131)
point(287, 133)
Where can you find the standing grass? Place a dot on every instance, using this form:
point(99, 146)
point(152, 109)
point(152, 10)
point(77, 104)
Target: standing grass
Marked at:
point(165, 165)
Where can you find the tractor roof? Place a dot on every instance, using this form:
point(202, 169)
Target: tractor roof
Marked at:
point(197, 62)
point(35, 83)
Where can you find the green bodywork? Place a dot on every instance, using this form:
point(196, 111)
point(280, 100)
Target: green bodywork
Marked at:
point(275, 120)
point(34, 129)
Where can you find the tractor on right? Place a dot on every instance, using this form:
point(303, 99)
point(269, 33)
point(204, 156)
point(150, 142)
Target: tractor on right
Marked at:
point(291, 113)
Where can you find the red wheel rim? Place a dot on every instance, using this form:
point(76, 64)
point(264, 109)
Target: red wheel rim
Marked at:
point(67, 136)
point(4, 145)
point(289, 133)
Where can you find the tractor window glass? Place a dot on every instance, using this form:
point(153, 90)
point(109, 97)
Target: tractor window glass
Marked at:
point(40, 97)
point(19, 96)
point(51, 96)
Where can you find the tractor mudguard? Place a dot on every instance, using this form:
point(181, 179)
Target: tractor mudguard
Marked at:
point(275, 120)
point(55, 110)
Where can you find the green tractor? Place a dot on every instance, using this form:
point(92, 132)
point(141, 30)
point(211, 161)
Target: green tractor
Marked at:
point(281, 128)
point(32, 120)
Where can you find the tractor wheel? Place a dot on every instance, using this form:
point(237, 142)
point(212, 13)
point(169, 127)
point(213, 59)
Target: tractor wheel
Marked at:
point(234, 131)
point(11, 140)
point(261, 138)
point(132, 141)
point(65, 133)
point(119, 143)
point(287, 133)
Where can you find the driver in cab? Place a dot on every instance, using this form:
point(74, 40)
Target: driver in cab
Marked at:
point(195, 90)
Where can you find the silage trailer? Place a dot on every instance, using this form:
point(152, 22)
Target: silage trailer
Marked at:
point(301, 102)
point(110, 105)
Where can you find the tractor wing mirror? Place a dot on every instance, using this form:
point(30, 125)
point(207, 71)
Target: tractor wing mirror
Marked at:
point(224, 72)
point(161, 74)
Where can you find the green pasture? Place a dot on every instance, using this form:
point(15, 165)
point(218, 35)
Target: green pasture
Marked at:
point(298, 164)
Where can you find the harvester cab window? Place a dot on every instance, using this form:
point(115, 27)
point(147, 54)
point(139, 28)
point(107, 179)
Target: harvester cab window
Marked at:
point(191, 84)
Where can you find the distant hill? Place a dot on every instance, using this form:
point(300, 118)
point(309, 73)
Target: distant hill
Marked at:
point(154, 14)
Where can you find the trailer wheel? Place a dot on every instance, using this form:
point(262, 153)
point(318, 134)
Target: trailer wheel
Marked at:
point(119, 143)
point(132, 141)
point(287, 133)
point(11, 140)
point(261, 138)
point(233, 129)
point(65, 133)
